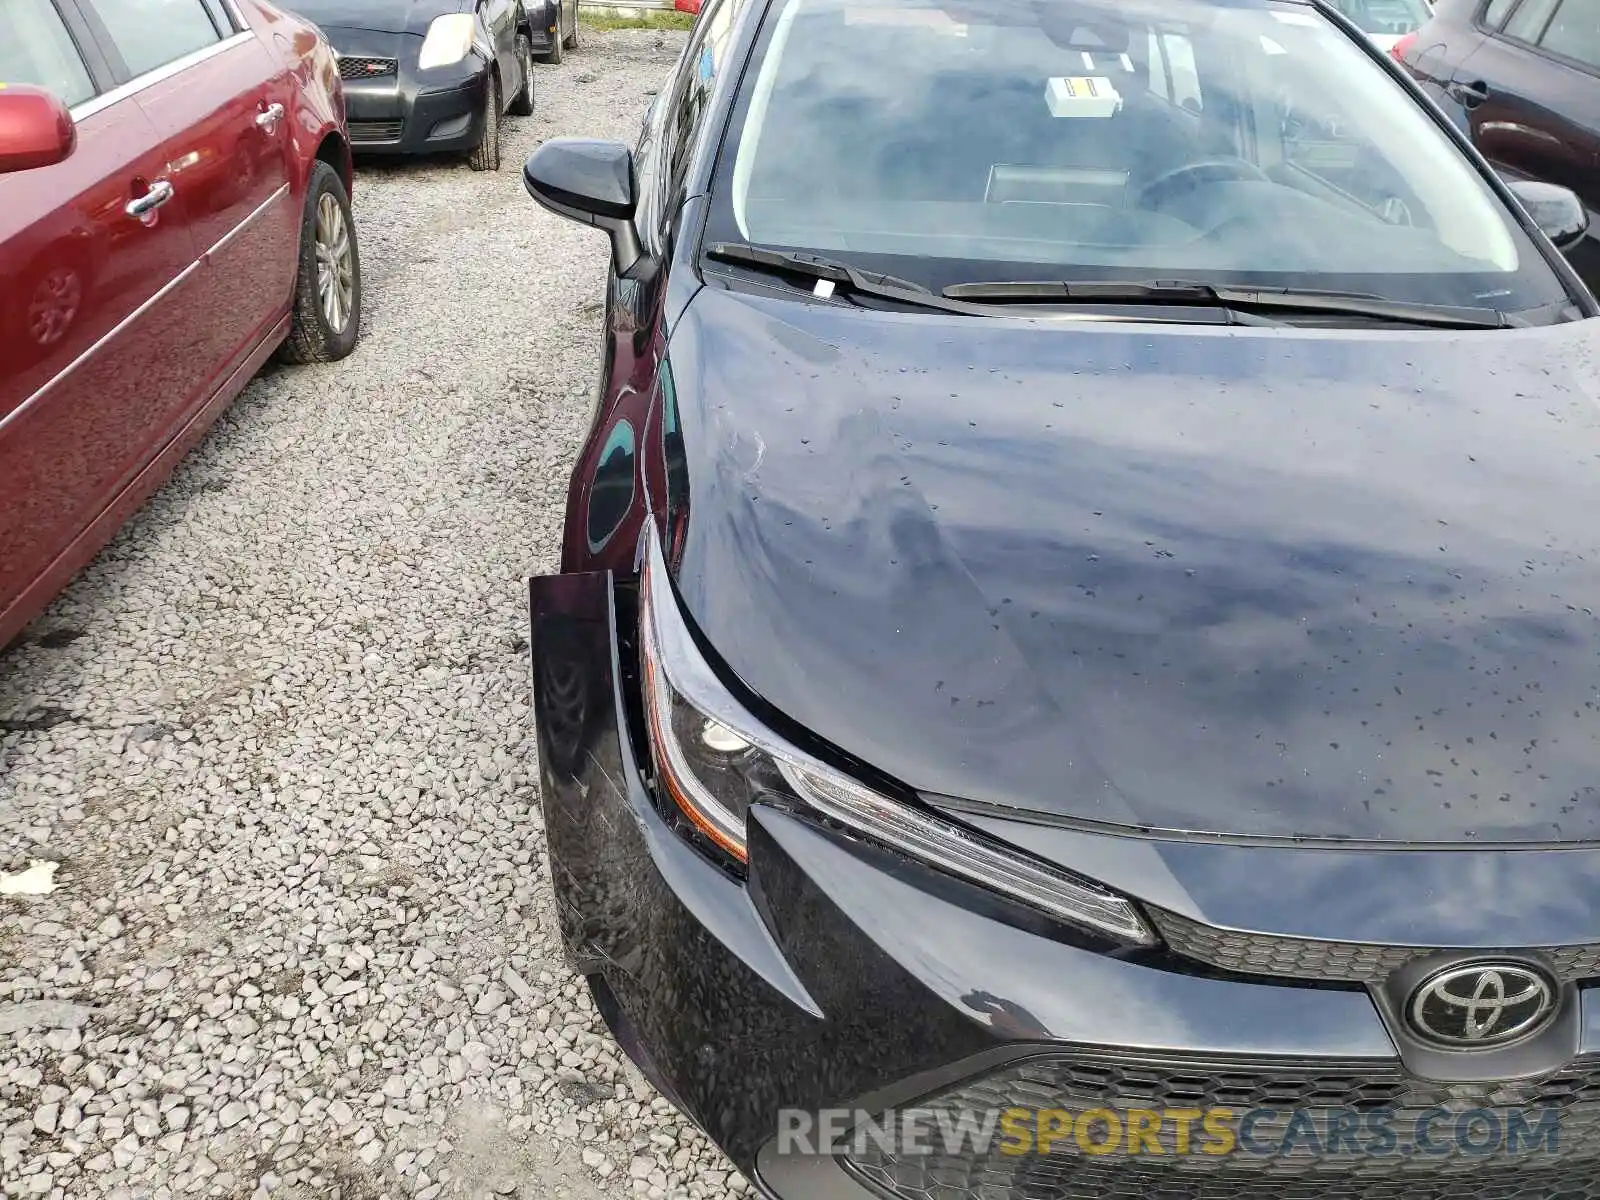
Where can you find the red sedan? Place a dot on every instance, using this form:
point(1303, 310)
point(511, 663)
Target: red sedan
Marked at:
point(174, 208)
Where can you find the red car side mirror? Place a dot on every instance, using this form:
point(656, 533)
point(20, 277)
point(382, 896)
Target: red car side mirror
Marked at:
point(36, 130)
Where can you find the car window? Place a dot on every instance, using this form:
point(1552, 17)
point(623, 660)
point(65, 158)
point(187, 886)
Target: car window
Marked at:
point(1180, 83)
point(149, 34)
point(1528, 22)
point(646, 174)
point(1494, 15)
point(37, 49)
point(1160, 76)
point(221, 17)
point(945, 141)
point(705, 55)
point(1575, 32)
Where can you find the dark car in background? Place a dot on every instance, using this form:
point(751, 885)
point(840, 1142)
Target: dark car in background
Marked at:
point(1523, 77)
point(430, 76)
point(552, 28)
point(174, 207)
point(1067, 613)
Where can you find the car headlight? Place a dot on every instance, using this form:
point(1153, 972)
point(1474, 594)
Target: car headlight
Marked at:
point(449, 40)
point(712, 760)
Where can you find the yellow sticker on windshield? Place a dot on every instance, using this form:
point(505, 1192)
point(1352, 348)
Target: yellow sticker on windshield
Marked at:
point(1082, 96)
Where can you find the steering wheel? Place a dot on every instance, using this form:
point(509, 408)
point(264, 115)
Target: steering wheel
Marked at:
point(1219, 168)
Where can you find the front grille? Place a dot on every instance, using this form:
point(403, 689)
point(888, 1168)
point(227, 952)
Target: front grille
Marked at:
point(371, 132)
point(1305, 958)
point(1094, 1179)
point(1570, 1170)
point(355, 67)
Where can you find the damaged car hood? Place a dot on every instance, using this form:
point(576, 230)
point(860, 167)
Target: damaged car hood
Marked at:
point(1324, 584)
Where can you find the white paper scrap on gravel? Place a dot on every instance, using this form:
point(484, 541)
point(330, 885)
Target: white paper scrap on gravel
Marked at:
point(38, 880)
point(43, 1014)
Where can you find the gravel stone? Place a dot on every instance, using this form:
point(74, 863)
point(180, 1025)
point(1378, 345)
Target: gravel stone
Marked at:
point(301, 942)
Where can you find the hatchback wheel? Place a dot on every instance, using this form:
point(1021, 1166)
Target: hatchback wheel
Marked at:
point(522, 106)
point(558, 41)
point(486, 155)
point(327, 294)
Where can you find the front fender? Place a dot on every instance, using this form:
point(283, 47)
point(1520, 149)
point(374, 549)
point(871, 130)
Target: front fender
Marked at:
point(316, 102)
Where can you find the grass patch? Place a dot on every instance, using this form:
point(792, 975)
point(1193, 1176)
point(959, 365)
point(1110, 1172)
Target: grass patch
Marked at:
point(644, 20)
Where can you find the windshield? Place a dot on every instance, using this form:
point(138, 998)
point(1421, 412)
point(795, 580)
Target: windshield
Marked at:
point(1219, 141)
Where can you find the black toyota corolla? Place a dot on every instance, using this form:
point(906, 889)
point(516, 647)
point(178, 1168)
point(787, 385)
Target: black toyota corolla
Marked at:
point(430, 76)
point(1075, 670)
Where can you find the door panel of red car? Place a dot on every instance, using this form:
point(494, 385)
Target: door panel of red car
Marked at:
point(224, 118)
point(227, 120)
point(95, 319)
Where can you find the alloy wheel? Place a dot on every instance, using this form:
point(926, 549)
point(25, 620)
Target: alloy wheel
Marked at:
point(336, 285)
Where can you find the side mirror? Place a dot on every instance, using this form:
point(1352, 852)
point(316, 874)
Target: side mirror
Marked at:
point(36, 130)
point(591, 182)
point(1554, 209)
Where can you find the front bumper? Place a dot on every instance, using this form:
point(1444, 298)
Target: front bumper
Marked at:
point(843, 977)
point(395, 115)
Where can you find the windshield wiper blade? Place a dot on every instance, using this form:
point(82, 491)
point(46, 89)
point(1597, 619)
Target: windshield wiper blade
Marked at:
point(813, 266)
point(840, 274)
point(1241, 300)
point(1357, 304)
point(1063, 291)
point(1110, 291)
point(884, 287)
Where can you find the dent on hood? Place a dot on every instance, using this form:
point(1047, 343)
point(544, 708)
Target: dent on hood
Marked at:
point(1305, 585)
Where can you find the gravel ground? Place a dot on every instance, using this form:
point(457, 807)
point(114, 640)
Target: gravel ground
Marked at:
point(278, 740)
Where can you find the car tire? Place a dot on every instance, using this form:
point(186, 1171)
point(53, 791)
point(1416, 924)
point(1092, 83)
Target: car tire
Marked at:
point(555, 54)
point(326, 319)
point(522, 106)
point(486, 154)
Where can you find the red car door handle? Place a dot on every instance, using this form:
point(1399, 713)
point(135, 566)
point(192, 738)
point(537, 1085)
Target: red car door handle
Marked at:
point(142, 206)
point(269, 117)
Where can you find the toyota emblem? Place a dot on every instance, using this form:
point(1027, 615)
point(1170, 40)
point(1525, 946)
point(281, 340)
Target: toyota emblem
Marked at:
point(1482, 1005)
